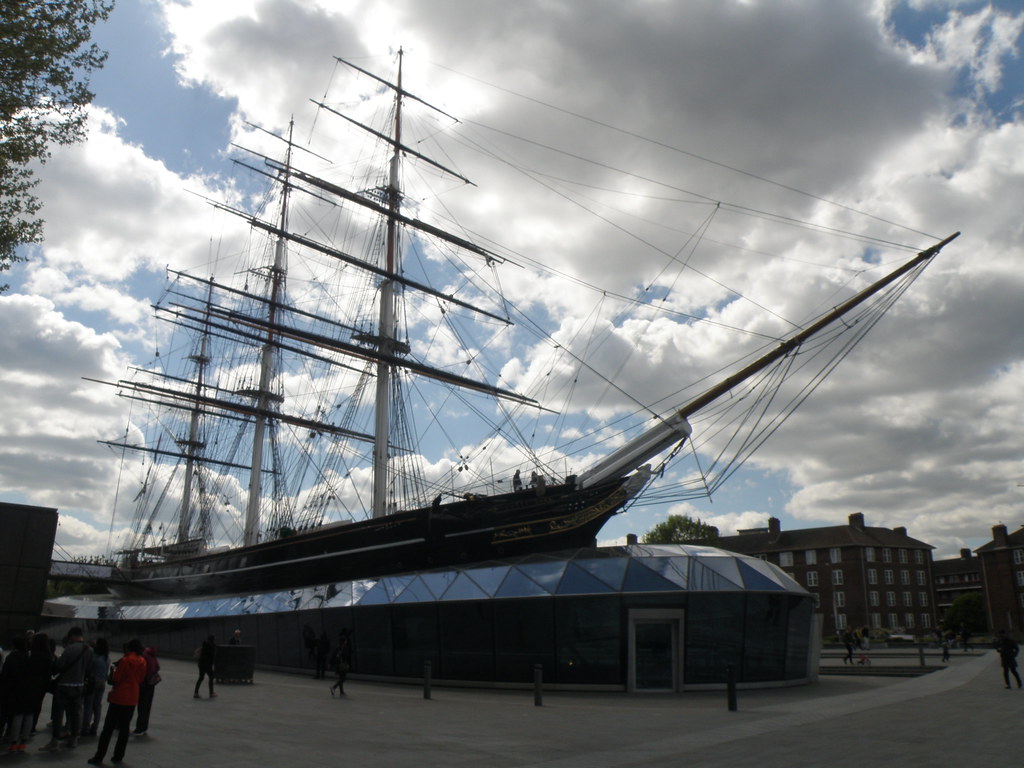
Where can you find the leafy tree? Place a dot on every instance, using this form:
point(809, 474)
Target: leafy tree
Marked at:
point(46, 58)
point(682, 529)
point(967, 610)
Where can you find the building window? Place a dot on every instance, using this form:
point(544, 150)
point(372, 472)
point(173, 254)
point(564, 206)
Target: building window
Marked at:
point(840, 621)
point(837, 578)
point(835, 555)
point(872, 576)
point(888, 576)
point(919, 557)
point(786, 559)
point(890, 599)
point(840, 599)
point(922, 599)
point(811, 557)
point(1018, 556)
point(869, 554)
point(908, 599)
point(886, 556)
point(893, 619)
point(873, 599)
point(926, 620)
point(902, 555)
point(920, 578)
point(1020, 578)
point(876, 621)
point(905, 577)
point(812, 578)
point(909, 617)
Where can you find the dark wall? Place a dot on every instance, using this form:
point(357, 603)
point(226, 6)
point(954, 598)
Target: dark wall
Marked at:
point(26, 546)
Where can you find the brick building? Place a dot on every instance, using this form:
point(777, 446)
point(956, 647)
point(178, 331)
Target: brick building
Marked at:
point(859, 575)
point(954, 577)
point(1002, 572)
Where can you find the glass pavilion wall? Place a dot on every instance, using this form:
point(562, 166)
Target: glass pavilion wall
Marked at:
point(573, 613)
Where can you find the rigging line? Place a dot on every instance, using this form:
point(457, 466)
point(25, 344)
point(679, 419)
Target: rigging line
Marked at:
point(681, 151)
point(738, 207)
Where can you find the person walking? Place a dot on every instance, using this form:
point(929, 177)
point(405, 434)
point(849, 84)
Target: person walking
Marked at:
point(207, 662)
point(16, 700)
point(127, 677)
point(848, 641)
point(70, 669)
point(147, 691)
point(93, 713)
point(41, 660)
point(342, 661)
point(1008, 650)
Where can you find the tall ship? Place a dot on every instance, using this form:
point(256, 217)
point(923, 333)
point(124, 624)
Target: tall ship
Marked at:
point(305, 421)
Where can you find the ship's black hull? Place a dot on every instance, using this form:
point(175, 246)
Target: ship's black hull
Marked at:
point(473, 530)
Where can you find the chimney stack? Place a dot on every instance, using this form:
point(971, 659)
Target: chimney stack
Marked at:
point(965, 554)
point(999, 536)
point(631, 539)
point(857, 521)
point(774, 527)
point(901, 531)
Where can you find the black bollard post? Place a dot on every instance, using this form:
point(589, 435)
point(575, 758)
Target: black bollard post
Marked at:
point(920, 653)
point(426, 679)
point(730, 685)
point(538, 682)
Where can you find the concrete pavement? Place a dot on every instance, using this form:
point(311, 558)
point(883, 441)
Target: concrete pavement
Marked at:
point(961, 715)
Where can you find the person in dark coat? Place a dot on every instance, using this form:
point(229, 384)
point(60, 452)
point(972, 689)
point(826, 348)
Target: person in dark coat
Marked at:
point(70, 670)
point(41, 660)
point(1008, 650)
point(323, 650)
point(92, 715)
point(147, 690)
point(207, 661)
point(342, 661)
point(18, 703)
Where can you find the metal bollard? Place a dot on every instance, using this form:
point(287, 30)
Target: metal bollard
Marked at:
point(730, 686)
point(920, 653)
point(538, 682)
point(426, 679)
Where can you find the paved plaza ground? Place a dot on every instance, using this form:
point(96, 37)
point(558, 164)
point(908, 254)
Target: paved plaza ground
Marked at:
point(960, 715)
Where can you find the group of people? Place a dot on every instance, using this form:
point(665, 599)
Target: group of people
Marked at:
point(319, 649)
point(859, 640)
point(77, 679)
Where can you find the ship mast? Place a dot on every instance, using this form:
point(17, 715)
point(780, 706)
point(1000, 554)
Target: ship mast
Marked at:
point(193, 444)
point(386, 329)
point(263, 395)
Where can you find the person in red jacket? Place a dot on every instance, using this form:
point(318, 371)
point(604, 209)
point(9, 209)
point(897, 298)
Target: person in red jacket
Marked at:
point(129, 673)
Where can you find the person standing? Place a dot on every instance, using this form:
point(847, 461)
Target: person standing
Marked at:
point(41, 660)
point(1008, 650)
point(848, 640)
point(147, 690)
point(128, 676)
point(323, 650)
point(207, 661)
point(17, 701)
point(236, 638)
point(70, 669)
point(94, 700)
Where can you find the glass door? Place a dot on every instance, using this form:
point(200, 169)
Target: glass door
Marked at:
point(654, 655)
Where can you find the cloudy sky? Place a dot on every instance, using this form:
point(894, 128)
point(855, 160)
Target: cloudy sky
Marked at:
point(901, 121)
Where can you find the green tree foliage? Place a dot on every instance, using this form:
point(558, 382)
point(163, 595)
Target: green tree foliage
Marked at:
point(967, 610)
point(682, 529)
point(46, 58)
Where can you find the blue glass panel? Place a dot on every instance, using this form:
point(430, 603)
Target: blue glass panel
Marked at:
point(489, 579)
point(705, 578)
point(416, 592)
point(640, 578)
point(672, 568)
point(546, 574)
point(517, 584)
point(725, 565)
point(395, 585)
point(610, 570)
point(464, 588)
point(375, 595)
point(439, 581)
point(577, 581)
point(754, 579)
point(769, 571)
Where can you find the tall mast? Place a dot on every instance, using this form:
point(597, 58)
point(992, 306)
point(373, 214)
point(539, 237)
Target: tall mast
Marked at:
point(263, 395)
point(386, 330)
point(193, 444)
